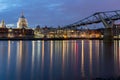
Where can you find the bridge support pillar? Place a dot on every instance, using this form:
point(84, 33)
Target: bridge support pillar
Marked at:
point(108, 35)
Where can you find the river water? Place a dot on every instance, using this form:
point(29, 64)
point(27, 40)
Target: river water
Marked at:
point(59, 60)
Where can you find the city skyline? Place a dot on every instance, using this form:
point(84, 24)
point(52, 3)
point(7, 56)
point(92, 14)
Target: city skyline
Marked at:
point(52, 13)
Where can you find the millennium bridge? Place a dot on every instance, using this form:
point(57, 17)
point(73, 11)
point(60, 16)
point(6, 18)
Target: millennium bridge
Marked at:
point(82, 28)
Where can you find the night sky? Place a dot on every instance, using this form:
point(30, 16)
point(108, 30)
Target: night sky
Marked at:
point(53, 12)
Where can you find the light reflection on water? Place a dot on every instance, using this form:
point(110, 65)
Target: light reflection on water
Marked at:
point(59, 60)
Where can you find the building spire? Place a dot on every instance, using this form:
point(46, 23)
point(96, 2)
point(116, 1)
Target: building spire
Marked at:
point(3, 24)
point(22, 15)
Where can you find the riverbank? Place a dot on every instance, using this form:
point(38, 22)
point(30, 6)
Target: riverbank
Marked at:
point(32, 38)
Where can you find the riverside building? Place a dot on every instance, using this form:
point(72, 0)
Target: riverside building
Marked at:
point(22, 29)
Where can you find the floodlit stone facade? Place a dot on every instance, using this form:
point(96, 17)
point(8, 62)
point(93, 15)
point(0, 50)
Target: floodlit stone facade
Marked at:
point(22, 22)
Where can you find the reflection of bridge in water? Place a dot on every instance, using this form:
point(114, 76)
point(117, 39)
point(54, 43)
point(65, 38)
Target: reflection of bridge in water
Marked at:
point(78, 29)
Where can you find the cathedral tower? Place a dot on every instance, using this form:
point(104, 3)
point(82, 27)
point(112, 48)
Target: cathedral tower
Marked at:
point(2, 25)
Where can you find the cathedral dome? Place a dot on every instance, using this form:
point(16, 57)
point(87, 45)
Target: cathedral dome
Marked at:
point(22, 22)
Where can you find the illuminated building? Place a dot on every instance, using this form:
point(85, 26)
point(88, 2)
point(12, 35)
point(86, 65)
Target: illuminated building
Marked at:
point(21, 32)
point(2, 24)
point(22, 29)
point(3, 29)
point(22, 22)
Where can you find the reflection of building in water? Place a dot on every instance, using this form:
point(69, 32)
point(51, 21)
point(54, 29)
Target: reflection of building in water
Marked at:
point(9, 51)
point(87, 56)
point(64, 51)
point(107, 60)
point(22, 51)
point(37, 51)
point(82, 60)
point(35, 56)
point(91, 62)
point(90, 56)
point(22, 56)
point(23, 47)
point(33, 53)
point(117, 57)
point(51, 54)
point(38, 61)
point(97, 51)
point(102, 59)
point(51, 60)
point(43, 54)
